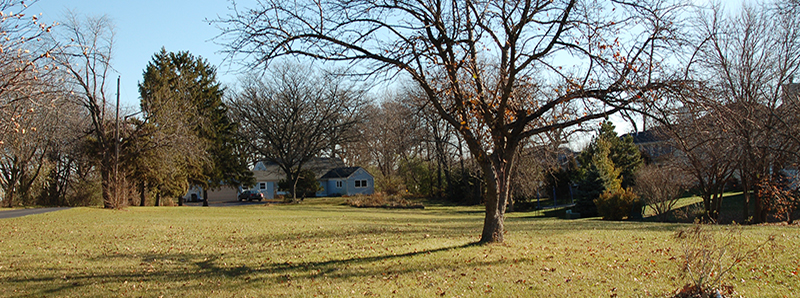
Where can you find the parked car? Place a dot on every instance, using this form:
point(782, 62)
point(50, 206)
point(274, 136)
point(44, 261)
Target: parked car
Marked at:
point(251, 195)
point(194, 198)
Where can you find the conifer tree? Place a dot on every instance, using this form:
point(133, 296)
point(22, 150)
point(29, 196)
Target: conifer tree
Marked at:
point(180, 95)
point(609, 163)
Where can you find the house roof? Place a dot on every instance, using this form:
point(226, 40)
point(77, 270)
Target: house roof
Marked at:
point(648, 136)
point(270, 171)
point(340, 172)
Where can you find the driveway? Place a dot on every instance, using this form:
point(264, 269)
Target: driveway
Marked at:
point(225, 203)
point(24, 212)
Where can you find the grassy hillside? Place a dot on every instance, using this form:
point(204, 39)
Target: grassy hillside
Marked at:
point(320, 248)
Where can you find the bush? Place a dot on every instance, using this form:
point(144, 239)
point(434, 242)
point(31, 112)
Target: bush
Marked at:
point(617, 204)
point(379, 200)
point(391, 184)
point(708, 256)
point(660, 188)
point(85, 193)
point(307, 185)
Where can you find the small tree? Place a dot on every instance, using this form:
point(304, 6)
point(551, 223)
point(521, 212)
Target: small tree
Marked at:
point(606, 165)
point(615, 202)
point(781, 195)
point(306, 184)
point(709, 254)
point(660, 187)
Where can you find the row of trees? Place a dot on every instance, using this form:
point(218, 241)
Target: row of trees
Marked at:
point(501, 73)
point(739, 121)
point(484, 86)
point(295, 114)
point(63, 143)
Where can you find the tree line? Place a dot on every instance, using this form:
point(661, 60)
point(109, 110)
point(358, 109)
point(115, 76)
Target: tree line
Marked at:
point(485, 97)
point(503, 73)
point(64, 140)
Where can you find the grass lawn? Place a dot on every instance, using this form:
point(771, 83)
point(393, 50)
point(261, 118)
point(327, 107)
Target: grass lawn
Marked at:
point(320, 248)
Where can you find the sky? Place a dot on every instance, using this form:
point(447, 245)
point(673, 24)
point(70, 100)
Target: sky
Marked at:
point(143, 27)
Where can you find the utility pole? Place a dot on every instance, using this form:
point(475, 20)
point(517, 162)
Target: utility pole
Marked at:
point(116, 149)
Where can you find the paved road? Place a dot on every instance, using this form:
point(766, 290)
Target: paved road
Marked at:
point(24, 212)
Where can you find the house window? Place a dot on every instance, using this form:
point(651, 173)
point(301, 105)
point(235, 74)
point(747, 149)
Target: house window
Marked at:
point(262, 185)
point(361, 183)
point(338, 184)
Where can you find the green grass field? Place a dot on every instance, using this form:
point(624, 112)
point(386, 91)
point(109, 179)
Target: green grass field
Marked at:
point(320, 248)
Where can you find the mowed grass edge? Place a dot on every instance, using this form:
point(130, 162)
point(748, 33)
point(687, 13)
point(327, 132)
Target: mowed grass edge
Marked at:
point(324, 249)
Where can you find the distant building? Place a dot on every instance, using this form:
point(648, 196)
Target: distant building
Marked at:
point(334, 178)
point(652, 143)
point(346, 181)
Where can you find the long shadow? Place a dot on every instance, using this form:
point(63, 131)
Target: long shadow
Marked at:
point(566, 226)
point(208, 265)
point(286, 266)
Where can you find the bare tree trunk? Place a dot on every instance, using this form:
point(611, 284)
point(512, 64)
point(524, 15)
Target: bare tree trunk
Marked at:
point(746, 192)
point(493, 222)
point(497, 176)
point(760, 210)
point(707, 204)
point(158, 197)
point(109, 201)
point(294, 187)
point(142, 193)
point(9, 199)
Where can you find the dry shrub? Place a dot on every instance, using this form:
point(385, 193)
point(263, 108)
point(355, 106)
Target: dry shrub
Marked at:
point(660, 188)
point(382, 201)
point(708, 256)
point(782, 195)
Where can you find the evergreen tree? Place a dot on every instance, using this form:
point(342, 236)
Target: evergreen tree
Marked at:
point(609, 163)
point(180, 96)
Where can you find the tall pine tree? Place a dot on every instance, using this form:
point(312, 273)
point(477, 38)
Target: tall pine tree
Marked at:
point(180, 95)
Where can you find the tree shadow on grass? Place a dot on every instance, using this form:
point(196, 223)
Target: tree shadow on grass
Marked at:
point(332, 265)
point(190, 268)
point(557, 226)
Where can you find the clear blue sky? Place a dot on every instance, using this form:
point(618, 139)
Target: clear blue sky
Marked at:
point(144, 26)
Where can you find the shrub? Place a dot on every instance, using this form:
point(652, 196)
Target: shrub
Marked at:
point(617, 204)
point(660, 188)
point(782, 196)
point(379, 200)
point(689, 213)
point(85, 193)
point(708, 256)
point(307, 185)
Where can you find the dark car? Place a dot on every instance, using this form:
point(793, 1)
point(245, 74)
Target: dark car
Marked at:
point(250, 195)
point(194, 198)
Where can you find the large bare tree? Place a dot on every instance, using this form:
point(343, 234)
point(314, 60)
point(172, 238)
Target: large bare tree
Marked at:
point(493, 69)
point(296, 115)
point(85, 46)
point(750, 57)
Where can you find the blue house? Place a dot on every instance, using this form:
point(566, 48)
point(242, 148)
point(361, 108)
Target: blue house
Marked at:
point(346, 181)
point(334, 178)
